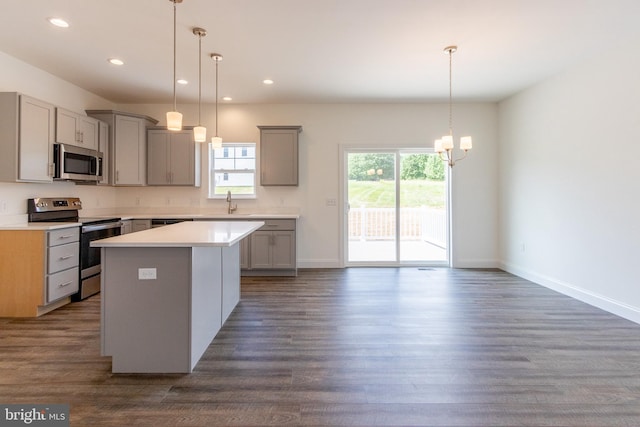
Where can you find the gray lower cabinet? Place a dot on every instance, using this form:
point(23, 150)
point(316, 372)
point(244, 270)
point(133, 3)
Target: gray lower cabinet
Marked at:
point(245, 255)
point(140, 224)
point(273, 248)
point(127, 226)
point(270, 250)
point(39, 270)
point(63, 260)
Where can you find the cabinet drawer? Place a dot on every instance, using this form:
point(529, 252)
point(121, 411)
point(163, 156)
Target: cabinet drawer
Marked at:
point(64, 235)
point(278, 224)
point(62, 284)
point(62, 257)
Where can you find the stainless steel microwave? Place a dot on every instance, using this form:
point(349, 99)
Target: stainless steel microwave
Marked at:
point(78, 164)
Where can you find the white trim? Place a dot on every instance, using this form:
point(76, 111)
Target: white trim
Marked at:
point(600, 301)
point(344, 150)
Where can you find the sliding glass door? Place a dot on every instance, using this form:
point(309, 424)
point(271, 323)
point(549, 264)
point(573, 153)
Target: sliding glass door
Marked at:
point(396, 208)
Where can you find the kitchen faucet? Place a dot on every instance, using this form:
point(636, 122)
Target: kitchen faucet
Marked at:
point(230, 208)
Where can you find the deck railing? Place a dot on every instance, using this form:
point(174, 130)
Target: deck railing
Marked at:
point(423, 223)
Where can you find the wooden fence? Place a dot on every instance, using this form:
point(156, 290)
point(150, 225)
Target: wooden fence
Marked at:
point(423, 223)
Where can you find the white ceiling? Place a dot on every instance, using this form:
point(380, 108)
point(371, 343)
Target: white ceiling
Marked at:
point(314, 50)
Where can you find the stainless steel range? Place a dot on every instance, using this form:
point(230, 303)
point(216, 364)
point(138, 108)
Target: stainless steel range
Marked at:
point(66, 209)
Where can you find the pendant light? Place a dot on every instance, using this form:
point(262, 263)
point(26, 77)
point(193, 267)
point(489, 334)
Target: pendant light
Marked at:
point(216, 141)
point(174, 118)
point(444, 146)
point(200, 132)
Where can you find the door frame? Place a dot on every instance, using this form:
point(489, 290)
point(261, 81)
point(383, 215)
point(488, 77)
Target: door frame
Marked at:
point(344, 150)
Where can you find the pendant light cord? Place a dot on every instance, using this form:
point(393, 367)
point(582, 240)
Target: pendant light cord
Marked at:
point(217, 98)
point(199, 77)
point(450, 96)
point(174, 56)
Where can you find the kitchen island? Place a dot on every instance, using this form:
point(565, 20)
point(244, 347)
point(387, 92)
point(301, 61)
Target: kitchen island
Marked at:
point(167, 291)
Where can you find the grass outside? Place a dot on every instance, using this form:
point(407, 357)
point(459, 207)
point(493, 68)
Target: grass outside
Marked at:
point(381, 194)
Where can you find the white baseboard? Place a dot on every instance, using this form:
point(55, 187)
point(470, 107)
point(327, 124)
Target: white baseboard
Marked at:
point(476, 263)
point(607, 304)
point(320, 263)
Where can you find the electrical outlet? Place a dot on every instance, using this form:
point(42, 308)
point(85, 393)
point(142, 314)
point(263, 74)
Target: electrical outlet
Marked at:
point(147, 274)
point(137, 201)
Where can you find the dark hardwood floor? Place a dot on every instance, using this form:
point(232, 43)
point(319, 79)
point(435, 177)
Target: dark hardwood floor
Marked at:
point(366, 347)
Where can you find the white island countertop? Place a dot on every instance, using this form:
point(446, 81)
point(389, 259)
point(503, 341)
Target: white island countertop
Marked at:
point(185, 234)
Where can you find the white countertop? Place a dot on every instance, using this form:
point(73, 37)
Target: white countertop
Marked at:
point(205, 216)
point(185, 234)
point(39, 226)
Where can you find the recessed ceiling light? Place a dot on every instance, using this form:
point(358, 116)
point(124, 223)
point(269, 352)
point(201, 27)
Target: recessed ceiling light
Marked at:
point(59, 22)
point(182, 81)
point(267, 81)
point(227, 98)
point(116, 61)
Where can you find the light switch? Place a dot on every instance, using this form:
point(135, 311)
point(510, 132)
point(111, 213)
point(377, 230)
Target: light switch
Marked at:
point(147, 274)
point(331, 202)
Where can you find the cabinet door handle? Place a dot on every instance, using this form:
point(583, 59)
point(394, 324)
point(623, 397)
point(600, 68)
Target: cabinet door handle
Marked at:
point(66, 257)
point(117, 176)
point(62, 285)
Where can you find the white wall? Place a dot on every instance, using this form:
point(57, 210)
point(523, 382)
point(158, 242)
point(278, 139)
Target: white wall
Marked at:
point(325, 129)
point(17, 76)
point(570, 182)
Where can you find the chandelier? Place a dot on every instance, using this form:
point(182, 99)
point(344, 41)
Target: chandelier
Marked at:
point(444, 145)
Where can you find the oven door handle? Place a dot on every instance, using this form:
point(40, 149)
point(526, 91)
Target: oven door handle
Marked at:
point(98, 227)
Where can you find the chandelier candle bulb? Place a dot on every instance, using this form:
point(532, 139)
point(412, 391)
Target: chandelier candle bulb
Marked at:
point(447, 142)
point(444, 146)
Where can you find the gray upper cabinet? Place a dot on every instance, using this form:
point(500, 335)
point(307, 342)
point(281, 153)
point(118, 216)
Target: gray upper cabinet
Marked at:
point(173, 157)
point(76, 129)
point(128, 146)
point(27, 128)
point(279, 155)
point(103, 147)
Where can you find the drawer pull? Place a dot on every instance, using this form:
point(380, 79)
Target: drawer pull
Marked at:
point(66, 236)
point(66, 257)
point(62, 285)
point(271, 225)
